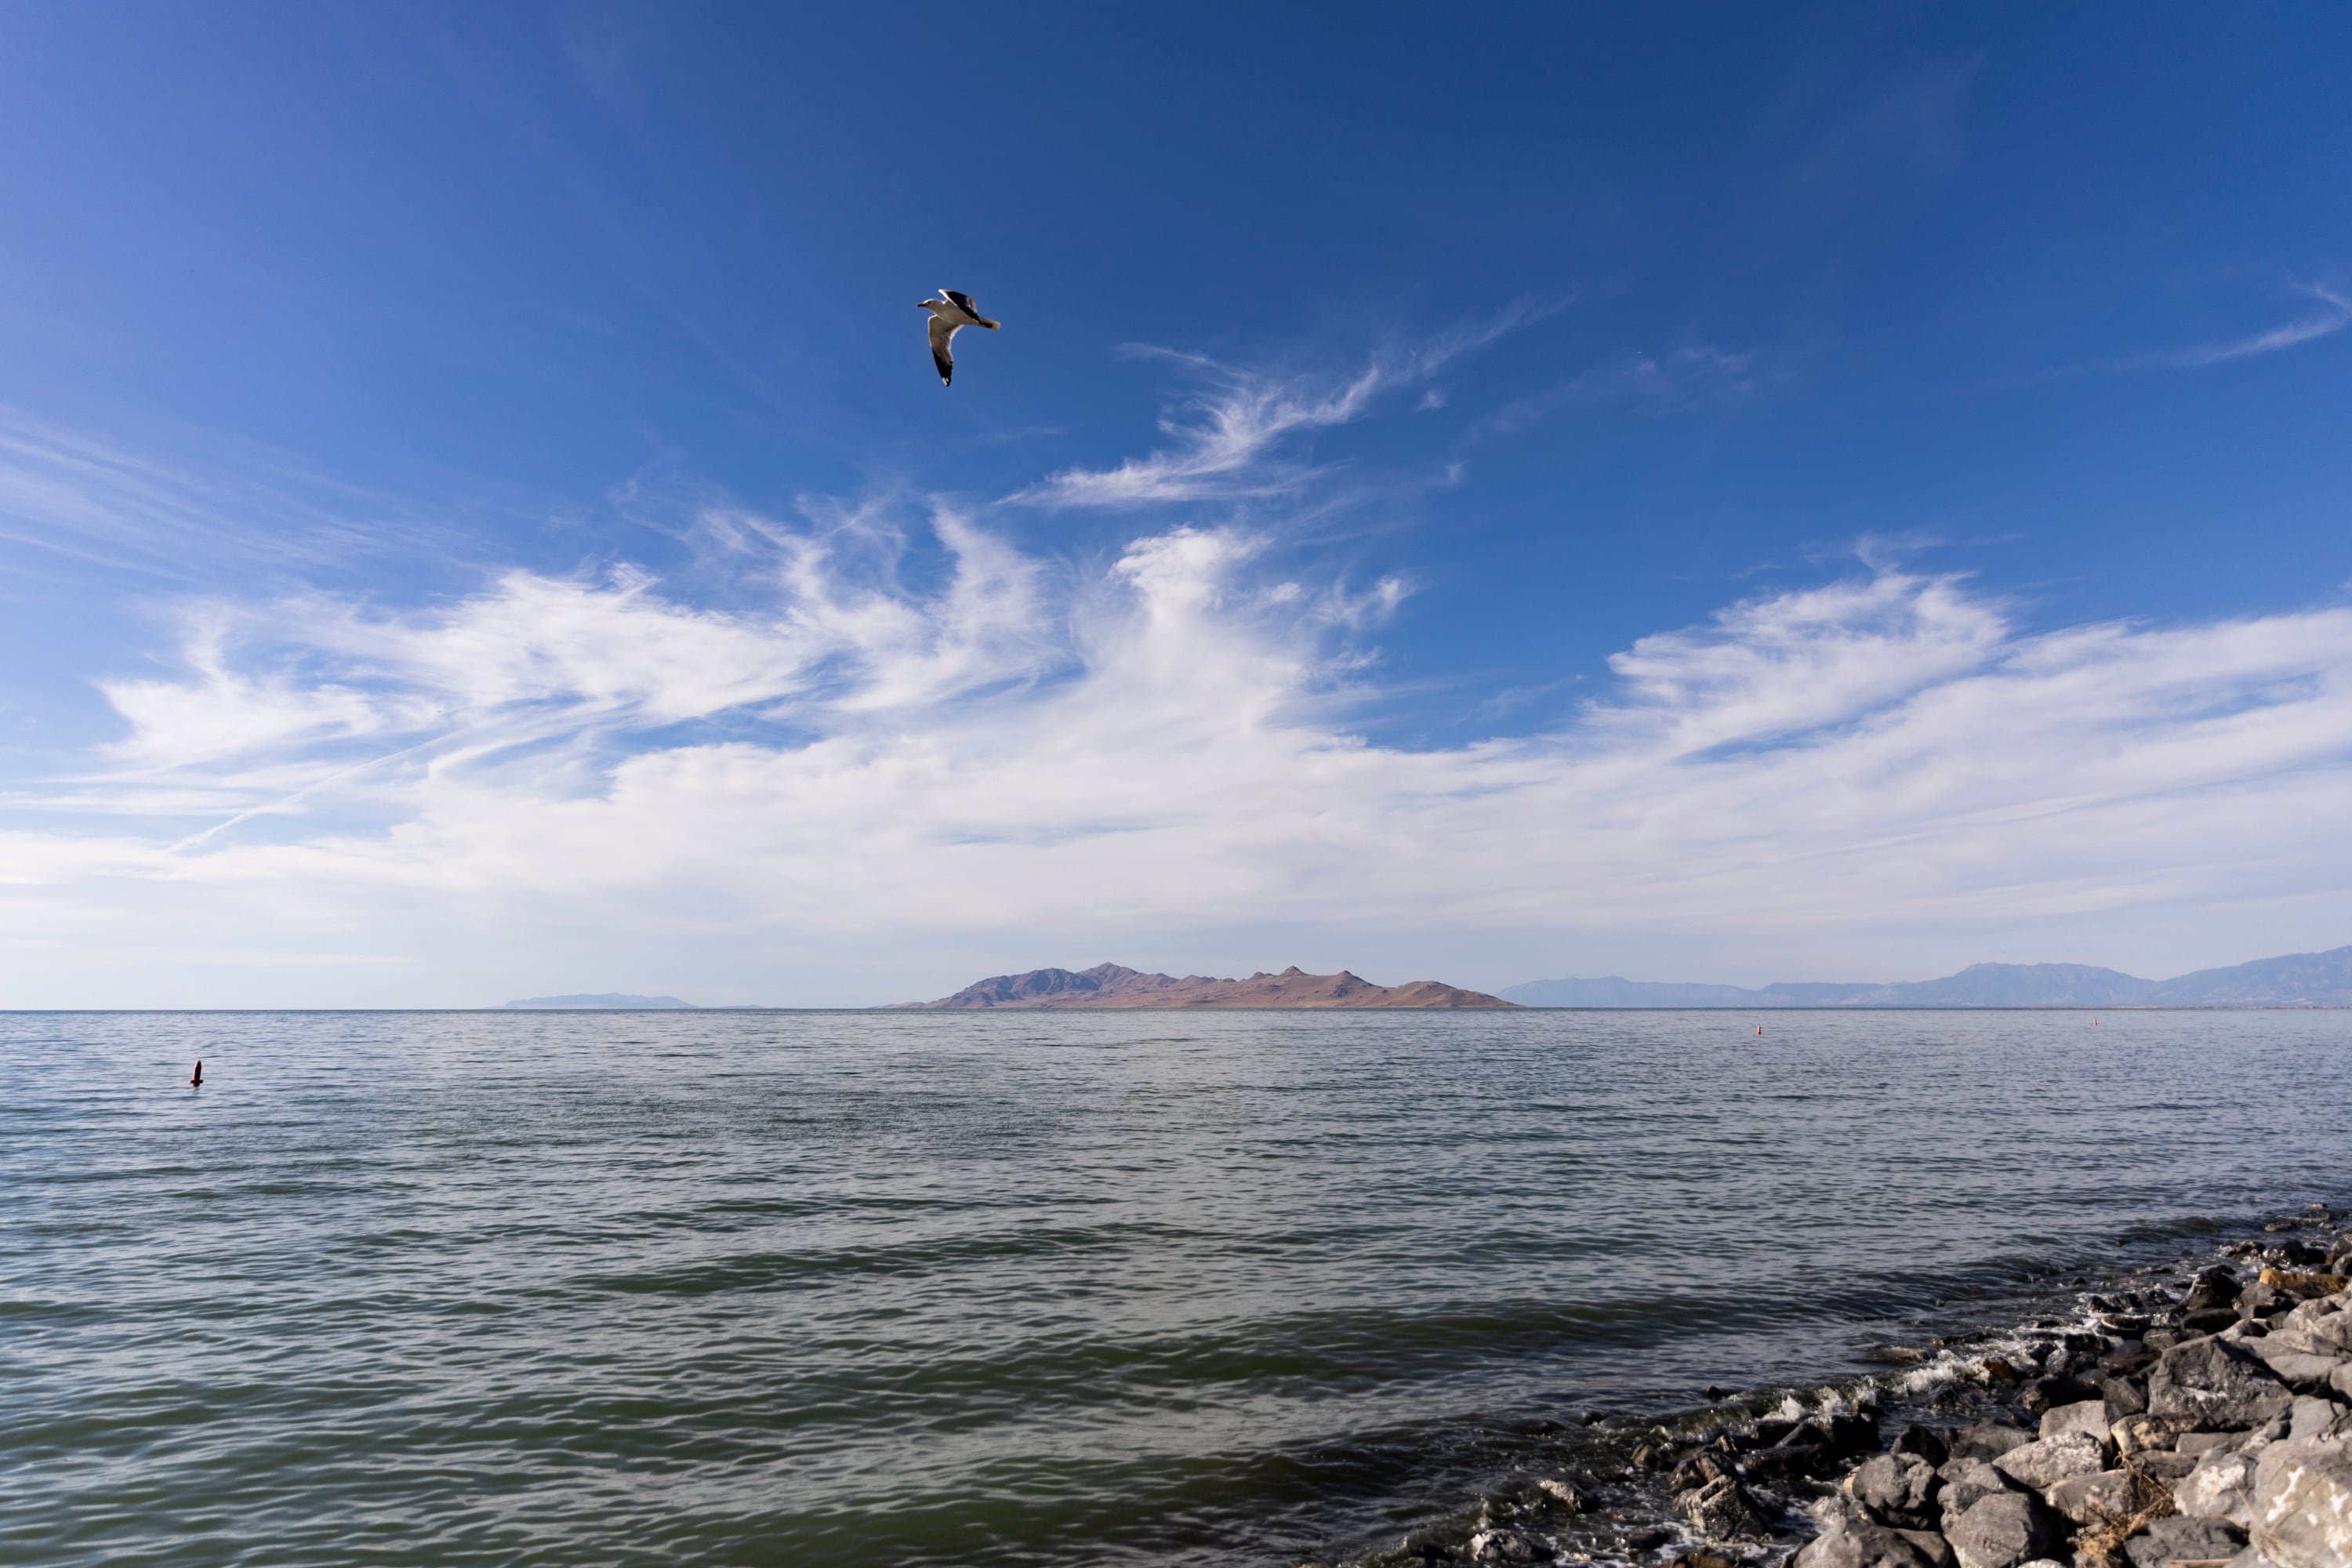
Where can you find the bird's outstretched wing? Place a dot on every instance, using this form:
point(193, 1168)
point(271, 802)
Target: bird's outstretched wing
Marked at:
point(961, 301)
point(941, 334)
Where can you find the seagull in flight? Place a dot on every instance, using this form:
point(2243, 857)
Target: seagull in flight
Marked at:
point(951, 314)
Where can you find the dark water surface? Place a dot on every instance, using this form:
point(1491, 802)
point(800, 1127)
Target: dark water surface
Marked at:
point(1086, 1288)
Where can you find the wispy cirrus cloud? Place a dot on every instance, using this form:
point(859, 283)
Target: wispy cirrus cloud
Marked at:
point(2333, 315)
point(70, 496)
point(1224, 440)
point(1910, 131)
point(1685, 380)
point(1221, 445)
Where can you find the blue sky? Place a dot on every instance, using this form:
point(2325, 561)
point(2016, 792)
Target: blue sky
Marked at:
point(1714, 493)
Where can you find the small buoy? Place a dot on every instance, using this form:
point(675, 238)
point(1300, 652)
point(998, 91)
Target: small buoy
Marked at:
point(1760, 1029)
point(196, 1078)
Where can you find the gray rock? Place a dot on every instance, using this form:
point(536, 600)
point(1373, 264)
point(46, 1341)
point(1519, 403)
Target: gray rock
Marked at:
point(2302, 1505)
point(1698, 1469)
point(2220, 1487)
point(2216, 1287)
point(2093, 1498)
point(1966, 1483)
point(2310, 1314)
point(2043, 1464)
point(2331, 1331)
point(2183, 1540)
point(1785, 1462)
point(1857, 1543)
point(2163, 1464)
point(2214, 1384)
point(2048, 1392)
point(1561, 1496)
point(2137, 1434)
point(2299, 1358)
point(1508, 1546)
point(1899, 1490)
point(2089, 1418)
point(2002, 1530)
point(2199, 1444)
point(2312, 1418)
point(1986, 1440)
point(1923, 1441)
point(1722, 1511)
point(1933, 1546)
point(1833, 1507)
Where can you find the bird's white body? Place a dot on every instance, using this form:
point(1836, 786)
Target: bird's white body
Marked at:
point(951, 314)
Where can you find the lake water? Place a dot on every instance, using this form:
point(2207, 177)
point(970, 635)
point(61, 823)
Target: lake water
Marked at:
point(1077, 1288)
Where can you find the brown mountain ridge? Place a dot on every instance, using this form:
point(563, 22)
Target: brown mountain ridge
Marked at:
point(1115, 986)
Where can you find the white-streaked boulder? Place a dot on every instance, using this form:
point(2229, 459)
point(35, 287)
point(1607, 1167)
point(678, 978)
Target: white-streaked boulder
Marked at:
point(2301, 1503)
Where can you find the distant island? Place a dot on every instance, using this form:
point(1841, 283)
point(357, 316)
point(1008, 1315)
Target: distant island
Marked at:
point(2295, 980)
point(1113, 985)
point(608, 1001)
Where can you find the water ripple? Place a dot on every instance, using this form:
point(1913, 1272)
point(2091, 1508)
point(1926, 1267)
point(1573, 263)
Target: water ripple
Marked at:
point(815, 1289)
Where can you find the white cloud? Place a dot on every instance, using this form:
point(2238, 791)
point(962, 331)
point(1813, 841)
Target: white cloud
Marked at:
point(1165, 752)
point(532, 657)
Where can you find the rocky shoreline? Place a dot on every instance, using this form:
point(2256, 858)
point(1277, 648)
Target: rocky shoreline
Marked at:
point(2192, 1413)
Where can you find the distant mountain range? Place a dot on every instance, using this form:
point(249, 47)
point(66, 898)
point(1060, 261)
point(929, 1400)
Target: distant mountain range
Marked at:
point(1108, 986)
point(611, 1001)
point(2296, 980)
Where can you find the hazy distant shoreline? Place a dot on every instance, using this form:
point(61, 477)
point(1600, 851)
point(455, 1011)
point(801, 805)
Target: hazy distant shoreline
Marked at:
point(2294, 979)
